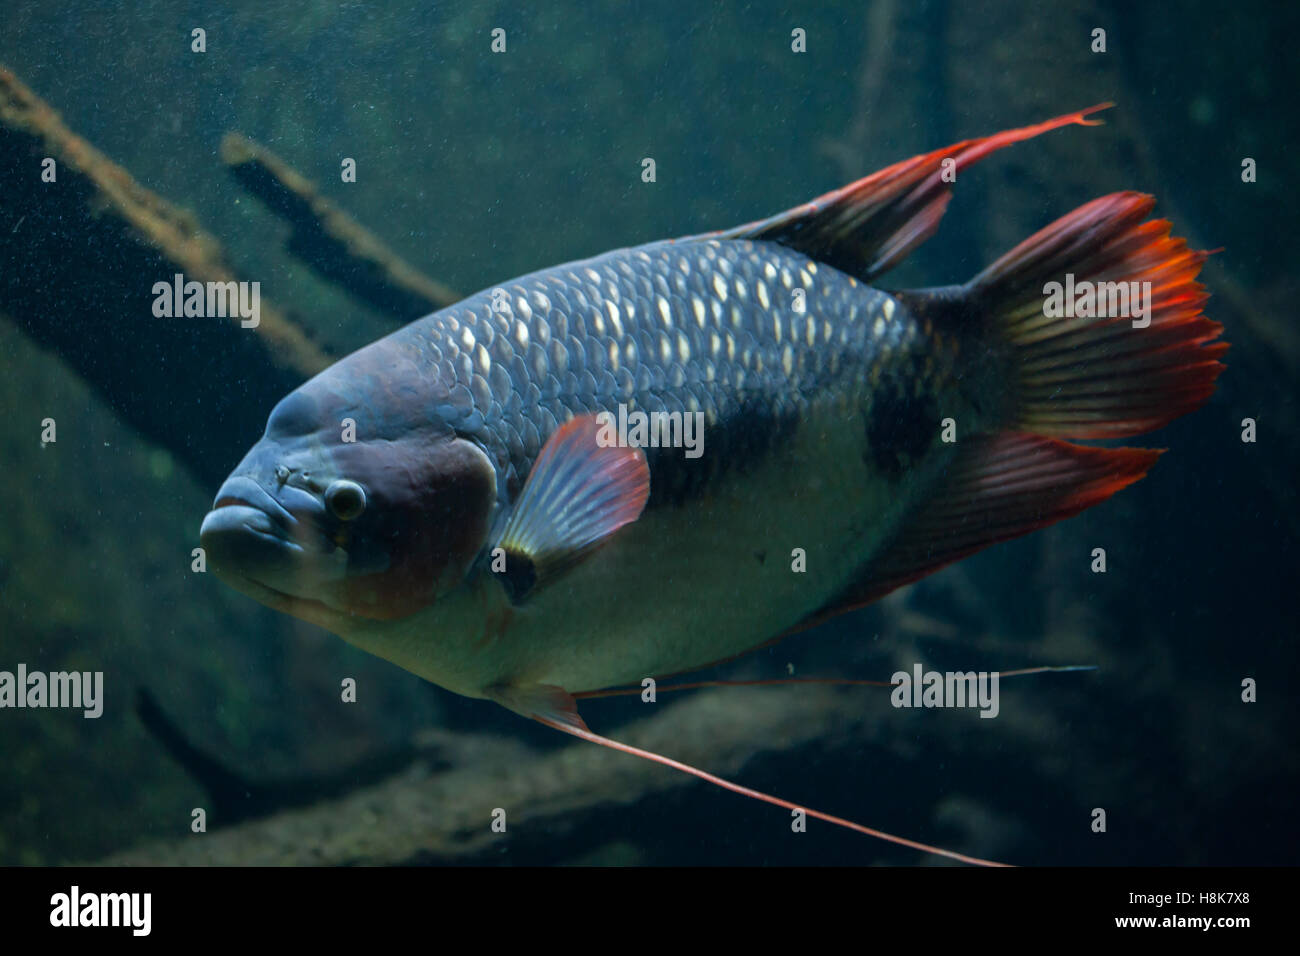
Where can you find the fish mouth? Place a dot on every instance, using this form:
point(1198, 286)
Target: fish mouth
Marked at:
point(248, 534)
point(231, 518)
point(246, 548)
point(243, 492)
point(261, 549)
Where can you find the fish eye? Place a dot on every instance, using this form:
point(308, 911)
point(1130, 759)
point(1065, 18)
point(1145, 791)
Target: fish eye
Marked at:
point(345, 499)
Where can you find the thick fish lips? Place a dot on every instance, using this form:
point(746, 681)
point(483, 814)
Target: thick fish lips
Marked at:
point(258, 546)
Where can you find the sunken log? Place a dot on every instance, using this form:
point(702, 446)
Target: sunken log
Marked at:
point(333, 244)
point(427, 816)
point(84, 252)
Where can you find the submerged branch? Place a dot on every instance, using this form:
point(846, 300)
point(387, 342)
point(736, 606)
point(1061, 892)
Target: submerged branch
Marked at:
point(420, 816)
point(329, 240)
point(83, 253)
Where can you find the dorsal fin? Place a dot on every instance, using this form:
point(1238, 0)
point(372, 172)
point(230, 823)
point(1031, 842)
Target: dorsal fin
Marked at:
point(869, 226)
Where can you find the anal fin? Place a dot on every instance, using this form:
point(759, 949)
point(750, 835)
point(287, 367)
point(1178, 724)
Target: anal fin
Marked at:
point(999, 487)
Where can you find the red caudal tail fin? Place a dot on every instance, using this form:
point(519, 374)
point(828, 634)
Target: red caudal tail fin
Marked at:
point(1095, 325)
point(1102, 313)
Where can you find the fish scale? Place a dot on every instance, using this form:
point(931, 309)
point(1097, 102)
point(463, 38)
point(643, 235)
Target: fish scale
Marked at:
point(698, 325)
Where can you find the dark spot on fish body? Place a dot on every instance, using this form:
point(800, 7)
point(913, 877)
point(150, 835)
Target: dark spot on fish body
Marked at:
point(733, 447)
point(899, 428)
point(519, 576)
point(676, 479)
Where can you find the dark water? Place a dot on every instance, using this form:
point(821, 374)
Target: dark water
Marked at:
point(477, 166)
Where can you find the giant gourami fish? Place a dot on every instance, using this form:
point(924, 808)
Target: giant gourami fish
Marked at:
point(461, 497)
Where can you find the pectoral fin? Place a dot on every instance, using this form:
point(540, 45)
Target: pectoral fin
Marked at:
point(579, 492)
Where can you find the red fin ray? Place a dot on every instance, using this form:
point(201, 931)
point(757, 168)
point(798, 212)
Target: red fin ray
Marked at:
point(822, 681)
point(1103, 376)
point(562, 715)
point(1000, 487)
point(869, 226)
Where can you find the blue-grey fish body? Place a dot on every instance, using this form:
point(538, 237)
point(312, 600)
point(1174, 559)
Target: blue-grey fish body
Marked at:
point(446, 498)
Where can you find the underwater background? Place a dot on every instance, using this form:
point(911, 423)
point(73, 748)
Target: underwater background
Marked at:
point(474, 167)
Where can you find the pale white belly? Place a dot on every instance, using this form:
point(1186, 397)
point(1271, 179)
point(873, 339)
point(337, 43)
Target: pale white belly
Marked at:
point(681, 587)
